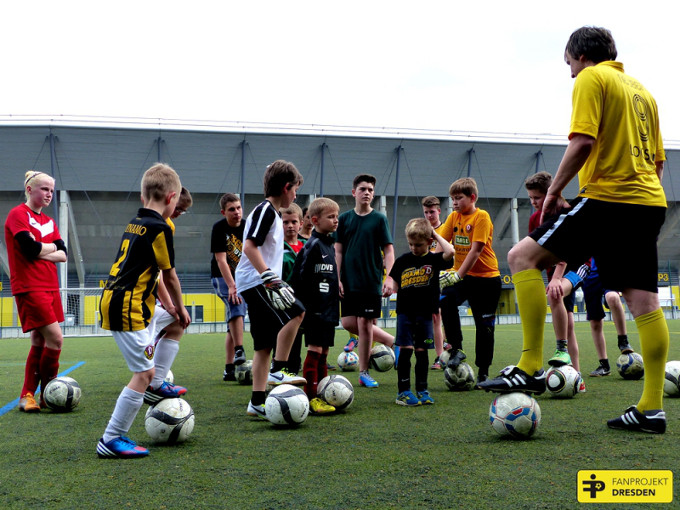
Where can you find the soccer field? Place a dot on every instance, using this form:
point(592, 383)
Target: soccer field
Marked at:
point(375, 455)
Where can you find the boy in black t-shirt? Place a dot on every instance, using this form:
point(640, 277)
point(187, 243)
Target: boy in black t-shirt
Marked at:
point(415, 278)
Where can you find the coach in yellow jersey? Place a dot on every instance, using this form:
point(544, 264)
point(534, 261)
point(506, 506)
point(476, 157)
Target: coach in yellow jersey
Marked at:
point(616, 149)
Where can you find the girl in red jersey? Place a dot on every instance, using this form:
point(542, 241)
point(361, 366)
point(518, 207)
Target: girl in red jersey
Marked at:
point(34, 246)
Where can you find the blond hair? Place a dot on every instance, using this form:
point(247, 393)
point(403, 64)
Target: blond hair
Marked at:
point(158, 181)
point(293, 209)
point(418, 229)
point(319, 205)
point(34, 175)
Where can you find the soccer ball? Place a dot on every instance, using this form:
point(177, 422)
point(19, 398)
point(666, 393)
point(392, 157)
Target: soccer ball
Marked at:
point(170, 421)
point(444, 358)
point(460, 379)
point(516, 415)
point(563, 381)
point(62, 394)
point(244, 373)
point(336, 390)
point(287, 405)
point(630, 366)
point(670, 384)
point(348, 361)
point(169, 377)
point(382, 358)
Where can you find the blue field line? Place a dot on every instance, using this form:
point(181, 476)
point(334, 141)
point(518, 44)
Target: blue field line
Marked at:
point(8, 407)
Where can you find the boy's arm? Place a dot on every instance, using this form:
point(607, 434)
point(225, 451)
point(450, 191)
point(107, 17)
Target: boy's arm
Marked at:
point(443, 246)
point(338, 261)
point(174, 290)
point(390, 285)
point(471, 258)
point(164, 296)
point(225, 271)
point(388, 256)
point(279, 292)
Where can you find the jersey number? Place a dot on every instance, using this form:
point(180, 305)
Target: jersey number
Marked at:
point(115, 269)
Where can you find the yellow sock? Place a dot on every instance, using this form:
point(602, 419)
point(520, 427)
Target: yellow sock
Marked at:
point(532, 304)
point(654, 340)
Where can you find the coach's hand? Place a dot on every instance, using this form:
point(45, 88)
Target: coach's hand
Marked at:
point(279, 292)
point(448, 278)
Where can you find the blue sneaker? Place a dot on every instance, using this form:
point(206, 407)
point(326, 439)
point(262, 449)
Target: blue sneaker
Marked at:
point(368, 381)
point(120, 448)
point(407, 398)
point(353, 342)
point(165, 390)
point(425, 398)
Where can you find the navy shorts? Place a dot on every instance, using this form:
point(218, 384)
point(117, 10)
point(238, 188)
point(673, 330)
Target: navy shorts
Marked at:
point(415, 332)
point(621, 237)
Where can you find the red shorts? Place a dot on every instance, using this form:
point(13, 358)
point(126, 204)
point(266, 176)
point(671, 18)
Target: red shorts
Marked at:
point(38, 309)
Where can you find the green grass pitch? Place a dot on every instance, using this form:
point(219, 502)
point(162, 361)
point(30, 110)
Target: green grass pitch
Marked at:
point(376, 455)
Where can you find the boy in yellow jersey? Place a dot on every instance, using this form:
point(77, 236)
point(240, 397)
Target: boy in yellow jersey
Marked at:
point(615, 148)
point(475, 276)
point(129, 299)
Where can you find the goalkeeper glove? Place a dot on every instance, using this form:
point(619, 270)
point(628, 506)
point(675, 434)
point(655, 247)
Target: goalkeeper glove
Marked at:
point(583, 271)
point(279, 292)
point(448, 278)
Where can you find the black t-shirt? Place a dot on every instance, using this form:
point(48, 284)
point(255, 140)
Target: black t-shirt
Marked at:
point(229, 240)
point(418, 281)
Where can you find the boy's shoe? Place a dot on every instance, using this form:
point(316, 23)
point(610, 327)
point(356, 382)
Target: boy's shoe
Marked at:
point(447, 346)
point(559, 359)
point(330, 367)
point(229, 376)
point(239, 356)
point(368, 381)
point(165, 390)
point(456, 359)
point(256, 410)
point(600, 372)
point(513, 379)
point(625, 347)
point(284, 376)
point(120, 448)
point(582, 386)
point(480, 379)
point(436, 365)
point(653, 422)
point(425, 398)
point(28, 404)
point(407, 398)
point(353, 342)
point(318, 406)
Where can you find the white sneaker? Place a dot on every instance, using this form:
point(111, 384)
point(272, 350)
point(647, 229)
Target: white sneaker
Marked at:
point(283, 376)
point(256, 410)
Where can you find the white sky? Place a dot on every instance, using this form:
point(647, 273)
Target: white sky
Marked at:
point(492, 66)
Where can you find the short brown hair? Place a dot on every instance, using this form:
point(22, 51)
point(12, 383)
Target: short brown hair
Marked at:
point(158, 181)
point(418, 228)
point(539, 181)
point(293, 209)
point(228, 198)
point(594, 43)
point(430, 201)
point(466, 186)
point(278, 175)
point(363, 178)
point(319, 205)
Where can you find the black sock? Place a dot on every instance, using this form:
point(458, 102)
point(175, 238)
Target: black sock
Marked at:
point(257, 398)
point(605, 363)
point(278, 365)
point(229, 368)
point(421, 370)
point(404, 370)
point(562, 345)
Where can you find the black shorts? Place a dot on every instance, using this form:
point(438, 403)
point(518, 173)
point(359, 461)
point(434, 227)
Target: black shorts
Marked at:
point(621, 237)
point(320, 334)
point(361, 304)
point(265, 320)
point(594, 297)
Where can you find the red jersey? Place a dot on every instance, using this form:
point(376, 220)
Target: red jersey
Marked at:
point(30, 274)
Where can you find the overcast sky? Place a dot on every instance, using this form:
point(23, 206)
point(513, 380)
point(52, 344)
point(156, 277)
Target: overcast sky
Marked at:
point(491, 66)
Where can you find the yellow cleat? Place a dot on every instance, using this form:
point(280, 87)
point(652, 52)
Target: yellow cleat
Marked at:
point(318, 406)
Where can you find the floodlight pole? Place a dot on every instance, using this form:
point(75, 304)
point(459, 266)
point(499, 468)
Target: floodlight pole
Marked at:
point(323, 156)
point(243, 171)
point(396, 192)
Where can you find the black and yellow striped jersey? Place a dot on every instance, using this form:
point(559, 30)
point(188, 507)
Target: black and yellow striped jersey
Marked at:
point(129, 296)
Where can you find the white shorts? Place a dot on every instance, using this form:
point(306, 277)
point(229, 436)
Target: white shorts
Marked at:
point(137, 348)
point(161, 318)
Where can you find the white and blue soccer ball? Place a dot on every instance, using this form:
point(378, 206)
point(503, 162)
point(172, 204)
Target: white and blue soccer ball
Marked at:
point(562, 381)
point(348, 361)
point(460, 379)
point(630, 366)
point(671, 384)
point(515, 415)
point(287, 405)
point(382, 358)
point(62, 394)
point(336, 390)
point(170, 421)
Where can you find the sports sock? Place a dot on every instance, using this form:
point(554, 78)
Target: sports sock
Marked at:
point(422, 367)
point(561, 345)
point(322, 370)
point(404, 370)
point(166, 350)
point(127, 406)
point(257, 398)
point(532, 305)
point(229, 368)
point(49, 365)
point(310, 372)
point(654, 340)
point(278, 365)
point(32, 371)
point(605, 364)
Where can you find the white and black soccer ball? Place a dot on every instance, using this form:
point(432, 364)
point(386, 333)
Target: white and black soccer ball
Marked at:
point(170, 421)
point(336, 390)
point(460, 379)
point(562, 381)
point(630, 366)
point(62, 394)
point(515, 415)
point(170, 377)
point(444, 358)
point(287, 405)
point(244, 373)
point(348, 361)
point(382, 358)
point(671, 384)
